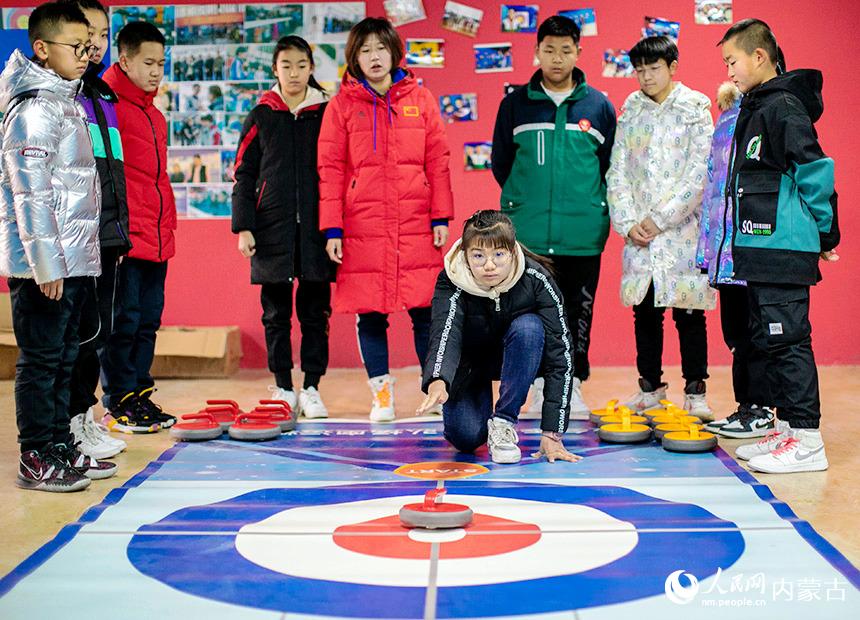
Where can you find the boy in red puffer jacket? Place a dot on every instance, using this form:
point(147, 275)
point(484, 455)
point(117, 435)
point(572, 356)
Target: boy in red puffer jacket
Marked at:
point(129, 351)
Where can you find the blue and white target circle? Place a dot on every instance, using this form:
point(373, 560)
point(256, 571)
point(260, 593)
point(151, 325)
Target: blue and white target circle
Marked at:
point(531, 549)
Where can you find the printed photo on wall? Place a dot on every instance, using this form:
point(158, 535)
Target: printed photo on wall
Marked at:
point(198, 97)
point(425, 53)
point(266, 23)
point(209, 23)
point(167, 97)
point(713, 11)
point(210, 201)
point(194, 165)
point(616, 64)
point(462, 19)
point(401, 12)
point(519, 17)
point(181, 197)
point(16, 18)
point(228, 165)
point(330, 22)
point(329, 65)
point(493, 58)
point(586, 19)
point(241, 97)
point(659, 27)
point(162, 17)
point(249, 62)
point(460, 107)
point(197, 129)
point(232, 129)
point(198, 63)
point(476, 155)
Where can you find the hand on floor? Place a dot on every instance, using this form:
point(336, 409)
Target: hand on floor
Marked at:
point(554, 449)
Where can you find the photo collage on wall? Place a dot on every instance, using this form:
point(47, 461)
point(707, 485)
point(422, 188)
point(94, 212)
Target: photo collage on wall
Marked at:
point(218, 65)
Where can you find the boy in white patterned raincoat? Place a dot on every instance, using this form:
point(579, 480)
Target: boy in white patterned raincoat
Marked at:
point(654, 187)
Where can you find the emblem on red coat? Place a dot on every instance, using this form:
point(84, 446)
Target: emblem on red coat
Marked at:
point(411, 110)
point(585, 124)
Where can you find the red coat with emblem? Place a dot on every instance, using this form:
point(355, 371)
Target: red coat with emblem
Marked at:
point(384, 179)
point(151, 206)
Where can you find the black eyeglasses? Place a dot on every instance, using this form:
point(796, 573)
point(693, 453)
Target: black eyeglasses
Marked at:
point(81, 49)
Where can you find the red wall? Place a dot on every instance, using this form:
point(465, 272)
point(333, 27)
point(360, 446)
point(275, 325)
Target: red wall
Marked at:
point(208, 280)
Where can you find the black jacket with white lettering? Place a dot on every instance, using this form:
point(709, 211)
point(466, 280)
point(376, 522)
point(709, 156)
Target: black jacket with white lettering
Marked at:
point(467, 335)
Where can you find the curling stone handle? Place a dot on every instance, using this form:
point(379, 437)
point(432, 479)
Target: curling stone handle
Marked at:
point(433, 496)
point(228, 403)
point(200, 415)
point(282, 403)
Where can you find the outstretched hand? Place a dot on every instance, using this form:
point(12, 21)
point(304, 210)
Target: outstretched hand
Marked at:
point(554, 449)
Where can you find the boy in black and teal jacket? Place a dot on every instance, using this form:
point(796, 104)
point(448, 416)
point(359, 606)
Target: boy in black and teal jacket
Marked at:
point(781, 187)
point(551, 149)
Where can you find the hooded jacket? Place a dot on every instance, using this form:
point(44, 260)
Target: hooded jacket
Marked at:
point(782, 184)
point(384, 180)
point(151, 205)
point(49, 190)
point(276, 194)
point(551, 162)
point(469, 323)
point(659, 166)
point(714, 251)
point(98, 101)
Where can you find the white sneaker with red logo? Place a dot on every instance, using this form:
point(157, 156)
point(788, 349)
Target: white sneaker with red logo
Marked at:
point(802, 451)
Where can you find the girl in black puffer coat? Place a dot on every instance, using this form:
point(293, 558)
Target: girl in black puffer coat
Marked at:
point(275, 214)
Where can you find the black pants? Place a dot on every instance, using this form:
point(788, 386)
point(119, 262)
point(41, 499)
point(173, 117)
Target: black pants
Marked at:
point(313, 307)
point(577, 277)
point(47, 335)
point(780, 328)
point(692, 334)
point(95, 327)
point(130, 348)
point(749, 365)
point(372, 330)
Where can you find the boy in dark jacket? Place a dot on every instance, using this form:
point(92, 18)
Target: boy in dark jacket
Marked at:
point(128, 384)
point(98, 101)
point(551, 149)
point(781, 186)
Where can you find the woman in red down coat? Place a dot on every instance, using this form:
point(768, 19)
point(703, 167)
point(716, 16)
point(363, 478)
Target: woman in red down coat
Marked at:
point(385, 197)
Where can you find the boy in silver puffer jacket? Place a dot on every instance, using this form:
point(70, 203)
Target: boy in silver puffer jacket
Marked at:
point(49, 246)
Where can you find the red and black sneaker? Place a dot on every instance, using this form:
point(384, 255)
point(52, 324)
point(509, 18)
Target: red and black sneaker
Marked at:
point(42, 471)
point(153, 411)
point(83, 464)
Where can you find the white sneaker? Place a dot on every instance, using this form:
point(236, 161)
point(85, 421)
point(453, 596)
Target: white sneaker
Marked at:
point(578, 409)
point(767, 445)
point(802, 451)
point(535, 408)
point(383, 398)
point(311, 404)
point(288, 396)
point(697, 405)
point(102, 431)
point(502, 441)
point(644, 400)
point(91, 444)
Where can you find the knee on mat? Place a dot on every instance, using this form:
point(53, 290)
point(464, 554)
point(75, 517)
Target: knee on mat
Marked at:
point(466, 443)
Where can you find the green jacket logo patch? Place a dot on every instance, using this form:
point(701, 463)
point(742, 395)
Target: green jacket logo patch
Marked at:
point(754, 148)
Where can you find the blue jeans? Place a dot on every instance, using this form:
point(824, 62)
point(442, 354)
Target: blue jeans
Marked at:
point(373, 339)
point(465, 417)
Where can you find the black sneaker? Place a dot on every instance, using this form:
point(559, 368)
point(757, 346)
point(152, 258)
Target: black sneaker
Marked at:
point(758, 422)
point(128, 417)
point(42, 471)
point(165, 420)
point(83, 464)
point(716, 425)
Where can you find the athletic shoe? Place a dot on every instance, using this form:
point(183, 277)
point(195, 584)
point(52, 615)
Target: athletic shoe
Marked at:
point(383, 398)
point(83, 464)
point(502, 441)
point(288, 396)
point(127, 417)
point(91, 443)
point(578, 409)
point(535, 408)
point(771, 441)
point(696, 402)
point(648, 397)
point(144, 401)
point(715, 425)
point(757, 423)
point(311, 404)
point(42, 471)
point(802, 451)
point(101, 430)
